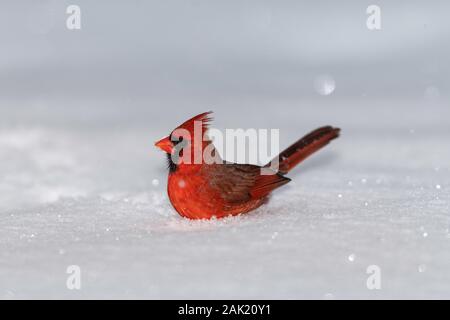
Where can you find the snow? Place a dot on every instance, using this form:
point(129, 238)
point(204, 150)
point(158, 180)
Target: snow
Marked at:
point(324, 85)
point(74, 194)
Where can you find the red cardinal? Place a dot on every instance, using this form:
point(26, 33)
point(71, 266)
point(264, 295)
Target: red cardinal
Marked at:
point(203, 191)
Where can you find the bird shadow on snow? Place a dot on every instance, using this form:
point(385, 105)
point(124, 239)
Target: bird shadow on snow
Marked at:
point(260, 217)
point(180, 224)
point(176, 223)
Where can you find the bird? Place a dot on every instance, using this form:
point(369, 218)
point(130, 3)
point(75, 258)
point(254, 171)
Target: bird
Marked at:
point(199, 190)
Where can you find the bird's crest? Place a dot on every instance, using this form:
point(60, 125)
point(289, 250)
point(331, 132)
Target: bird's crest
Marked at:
point(205, 119)
point(190, 125)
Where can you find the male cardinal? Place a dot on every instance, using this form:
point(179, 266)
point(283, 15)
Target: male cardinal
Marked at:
point(206, 190)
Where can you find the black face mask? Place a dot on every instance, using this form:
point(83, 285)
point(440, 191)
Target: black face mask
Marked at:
point(174, 158)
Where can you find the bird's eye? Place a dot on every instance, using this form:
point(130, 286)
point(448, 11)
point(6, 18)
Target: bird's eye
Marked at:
point(175, 142)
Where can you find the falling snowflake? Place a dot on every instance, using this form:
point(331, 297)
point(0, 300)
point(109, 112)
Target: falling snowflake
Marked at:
point(324, 84)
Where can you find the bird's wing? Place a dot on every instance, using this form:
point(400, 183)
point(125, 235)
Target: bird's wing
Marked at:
point(237, 183)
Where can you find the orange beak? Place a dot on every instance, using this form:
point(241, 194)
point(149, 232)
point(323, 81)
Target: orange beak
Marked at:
point(165, 144)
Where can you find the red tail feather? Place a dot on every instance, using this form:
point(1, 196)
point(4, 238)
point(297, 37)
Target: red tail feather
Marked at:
point(304, 147)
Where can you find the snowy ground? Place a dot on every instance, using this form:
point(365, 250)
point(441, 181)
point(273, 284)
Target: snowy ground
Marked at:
point(80, 191)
